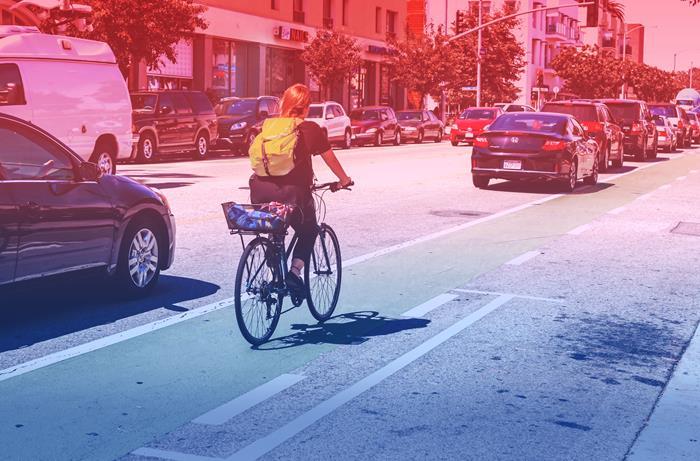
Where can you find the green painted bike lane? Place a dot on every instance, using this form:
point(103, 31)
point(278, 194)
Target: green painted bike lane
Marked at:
point(106, 403)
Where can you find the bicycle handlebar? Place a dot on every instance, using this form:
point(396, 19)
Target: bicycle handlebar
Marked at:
point(332, 186)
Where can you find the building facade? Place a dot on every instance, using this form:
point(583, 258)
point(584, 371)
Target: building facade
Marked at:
point(18, 17)
point(254, 48)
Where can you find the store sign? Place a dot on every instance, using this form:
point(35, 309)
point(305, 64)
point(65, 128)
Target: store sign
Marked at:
point(293, 35)
point(373, 49)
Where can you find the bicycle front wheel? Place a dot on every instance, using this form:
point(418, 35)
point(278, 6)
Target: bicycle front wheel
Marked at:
point(323, 275)
point(258, 304)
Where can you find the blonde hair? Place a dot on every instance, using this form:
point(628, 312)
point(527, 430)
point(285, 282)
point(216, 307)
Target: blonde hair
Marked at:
point(295, 101)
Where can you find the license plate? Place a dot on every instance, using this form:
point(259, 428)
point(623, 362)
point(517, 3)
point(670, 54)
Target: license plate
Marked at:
point(469, 135)
point(512, 165)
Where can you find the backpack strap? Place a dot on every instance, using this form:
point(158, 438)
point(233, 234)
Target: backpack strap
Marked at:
point(265, 159)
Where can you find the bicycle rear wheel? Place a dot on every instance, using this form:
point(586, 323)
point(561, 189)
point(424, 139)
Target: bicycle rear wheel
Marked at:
point(323, 275)
point(258, 304)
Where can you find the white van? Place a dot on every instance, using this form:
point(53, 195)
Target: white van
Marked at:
point(71, 88)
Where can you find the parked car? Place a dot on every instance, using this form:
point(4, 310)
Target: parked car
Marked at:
point(508, 107)
point(695, 125)
point(471, 123)
point(599, 123)
point(535, 146)
point(240, 120)
point(679, 121)
point(71, 88)
point(641, 138)
point(667, 134)
point(168, 122)
point(375, 125)
point(418, 125)
point(331, 117)
point(59, 214)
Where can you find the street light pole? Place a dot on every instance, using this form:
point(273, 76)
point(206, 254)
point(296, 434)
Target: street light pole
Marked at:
point(478, 59)
point(624, 59)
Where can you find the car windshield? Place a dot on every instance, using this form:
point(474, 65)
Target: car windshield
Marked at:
point(625, 112)
point(477, 114)
point(582, 112)
point(364, 115)
point(144, 103)
point(659, 121)
point(530, 122)
point(316, 112)
point(240, 107)
point(665, 110)
point(409, 116)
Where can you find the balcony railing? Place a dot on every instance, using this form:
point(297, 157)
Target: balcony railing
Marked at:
point(328, 23)
point(298, 16)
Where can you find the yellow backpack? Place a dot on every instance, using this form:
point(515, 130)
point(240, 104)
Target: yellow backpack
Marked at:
point(272, 151)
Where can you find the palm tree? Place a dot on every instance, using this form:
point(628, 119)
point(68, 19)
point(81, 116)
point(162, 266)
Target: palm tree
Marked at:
point(616, 8)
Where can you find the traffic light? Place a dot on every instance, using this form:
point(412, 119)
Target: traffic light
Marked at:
point(459, 22)
point(592, 13)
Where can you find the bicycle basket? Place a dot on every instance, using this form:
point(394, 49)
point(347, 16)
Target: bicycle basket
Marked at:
point(268, 218)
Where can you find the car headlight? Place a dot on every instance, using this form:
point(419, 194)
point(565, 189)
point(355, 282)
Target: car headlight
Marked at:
point(238, 126)
point(371, 130)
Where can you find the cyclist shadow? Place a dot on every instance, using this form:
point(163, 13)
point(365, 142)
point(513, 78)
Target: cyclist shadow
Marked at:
point(346, 329)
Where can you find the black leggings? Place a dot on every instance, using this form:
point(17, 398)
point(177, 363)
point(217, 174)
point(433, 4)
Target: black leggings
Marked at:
point(304, 219)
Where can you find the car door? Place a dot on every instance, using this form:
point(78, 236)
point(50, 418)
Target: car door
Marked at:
point(329, 121)
point(186, 123)
point(338, 122)
point(9, 226)
point(166, 121)
point(65, 222)
point(616, 135)
point(585, 150)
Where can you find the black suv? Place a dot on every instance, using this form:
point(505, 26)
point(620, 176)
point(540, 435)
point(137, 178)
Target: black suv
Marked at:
point(171, 122)
point(59, 214)
point(641, 137)
point(240, 120)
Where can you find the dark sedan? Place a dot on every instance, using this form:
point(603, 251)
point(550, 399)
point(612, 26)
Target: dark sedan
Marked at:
point(58, 214)
point(535, 146)
point(418, 125)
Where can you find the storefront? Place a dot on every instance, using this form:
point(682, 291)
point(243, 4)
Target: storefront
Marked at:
point(176, 75)
point(283, 68)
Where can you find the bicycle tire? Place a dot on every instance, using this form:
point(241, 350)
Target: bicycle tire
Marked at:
point(254, 257)
point(322, 303)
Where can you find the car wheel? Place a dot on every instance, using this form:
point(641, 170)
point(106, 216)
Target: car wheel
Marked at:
point(397, 138)
point(572, 179)
point(439, 136)
point(104, 160)
point(641, 154)
point(454, 143)
point(603, 165)
point(655, 150)
point(139, 258)
point(347, 140)
point(620, 160)
point(378, 139)
point(480, 182)
point(201, 147)
point(592, 179)
point(146, 148)
point(419, 139)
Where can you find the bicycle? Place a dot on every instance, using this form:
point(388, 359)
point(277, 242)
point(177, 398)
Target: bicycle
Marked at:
point(260, 278)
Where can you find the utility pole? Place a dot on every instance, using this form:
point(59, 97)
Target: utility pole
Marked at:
point(478, 58)
point(691, 74)
point(624, 58)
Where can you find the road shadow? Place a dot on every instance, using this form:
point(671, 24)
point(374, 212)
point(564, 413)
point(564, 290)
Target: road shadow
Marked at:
point(346, 329)
point(37, 311)
point(545, 188)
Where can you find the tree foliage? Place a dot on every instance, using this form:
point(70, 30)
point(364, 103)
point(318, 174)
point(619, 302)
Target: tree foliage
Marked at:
point(331, 57)
point(142, 29)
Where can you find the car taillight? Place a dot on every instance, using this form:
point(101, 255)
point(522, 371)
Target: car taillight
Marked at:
point(636, 128)
point(680, 124)
point(663, 132)
point(554, 145)
point(481, 142)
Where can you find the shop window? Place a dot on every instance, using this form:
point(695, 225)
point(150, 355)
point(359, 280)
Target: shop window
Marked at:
point(223, 74)
point(391, 19)
point(274, 5)
point(345, 12)
point(328, 14)
point(283, 69)
point(298, 13)
point(378, 20)
point(173, 75)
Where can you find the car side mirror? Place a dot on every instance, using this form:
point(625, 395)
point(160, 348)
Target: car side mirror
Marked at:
point(90, 171)
point(165, 110)
point(264, 114)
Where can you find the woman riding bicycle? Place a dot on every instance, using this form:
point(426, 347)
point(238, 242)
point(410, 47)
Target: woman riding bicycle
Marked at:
point(295, 187)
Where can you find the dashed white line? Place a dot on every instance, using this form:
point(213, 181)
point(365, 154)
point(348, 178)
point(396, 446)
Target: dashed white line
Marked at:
point(665, 187)
point(645, 196)
point(681, 178)
point(170, 455)
point(235, 407)
point(496, 293)
point(421, 310)
point(580, 229)
point(523, 258)
point(268, 443)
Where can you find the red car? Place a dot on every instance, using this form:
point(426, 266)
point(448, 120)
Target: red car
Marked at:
point(471, 123)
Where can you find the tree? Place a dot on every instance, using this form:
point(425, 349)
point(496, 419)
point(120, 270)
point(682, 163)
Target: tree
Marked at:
point(589, 72)
point(424, 63)
point(331, 57)
point(502, 58)
point(142, 29)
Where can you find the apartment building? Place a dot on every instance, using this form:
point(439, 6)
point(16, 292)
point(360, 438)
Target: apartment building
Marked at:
point(609, 36)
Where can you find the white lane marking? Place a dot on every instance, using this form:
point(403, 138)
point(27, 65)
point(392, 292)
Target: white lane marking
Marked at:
point(56, 357)
point(227, 411)
point(496, 293)
point(266, 444)
point(580, 229)
point(171, 455)
point(523, 258)
point(66, 354)
point(645, 196)
point(665, 187)
point(618, 210)
point(681, 178)
point(694, 171)
point(421, 310)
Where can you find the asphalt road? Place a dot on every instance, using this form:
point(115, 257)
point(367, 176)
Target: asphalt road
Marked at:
point(573, 312)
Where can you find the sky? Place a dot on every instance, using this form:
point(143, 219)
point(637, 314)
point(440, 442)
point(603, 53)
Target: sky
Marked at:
point(671, 27)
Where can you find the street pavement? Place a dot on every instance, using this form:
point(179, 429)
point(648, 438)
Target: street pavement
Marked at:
point(509, 323)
